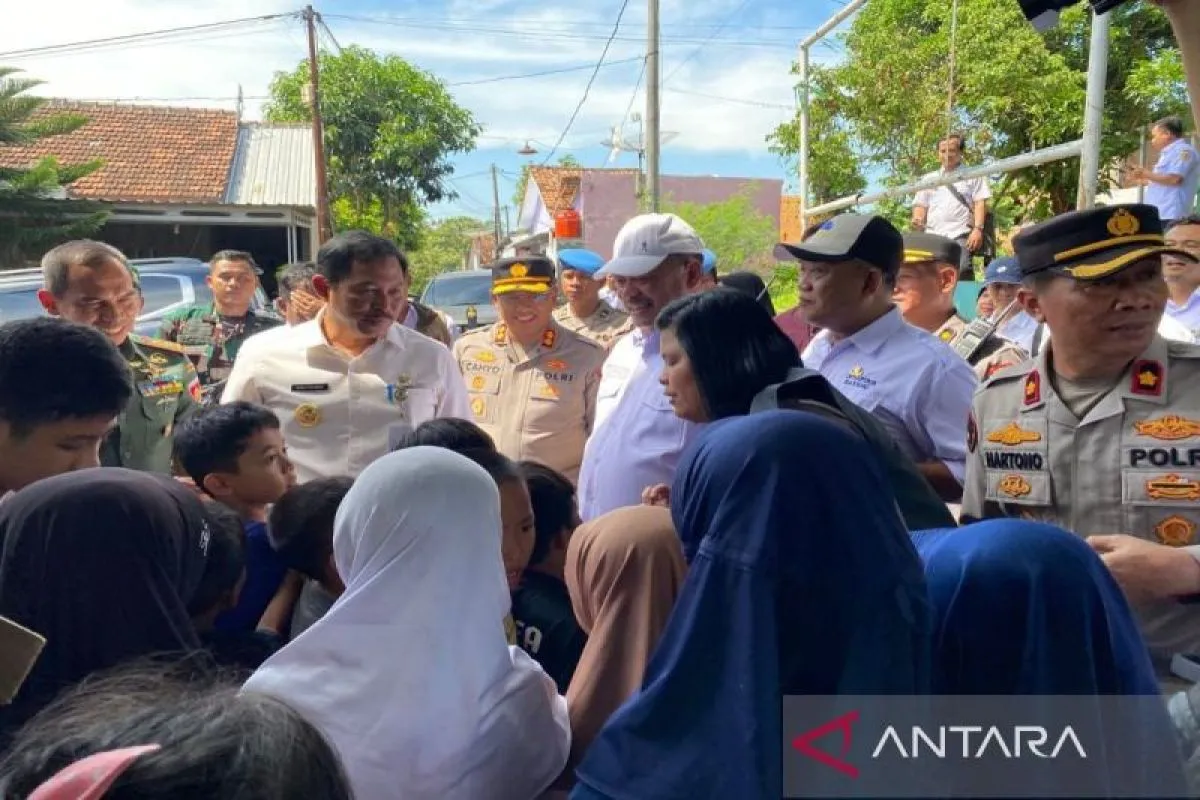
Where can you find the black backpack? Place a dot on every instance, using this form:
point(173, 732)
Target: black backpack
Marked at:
point(807, 390)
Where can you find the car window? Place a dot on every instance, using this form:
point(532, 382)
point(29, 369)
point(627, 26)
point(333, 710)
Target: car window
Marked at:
point(459, 291)
point(160, 291)
point(20, 304)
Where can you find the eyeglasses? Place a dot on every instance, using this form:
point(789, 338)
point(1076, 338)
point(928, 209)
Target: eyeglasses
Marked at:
point(1190, 244)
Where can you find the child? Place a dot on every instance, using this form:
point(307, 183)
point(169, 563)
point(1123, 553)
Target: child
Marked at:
point(301, 533)
point(235, 453)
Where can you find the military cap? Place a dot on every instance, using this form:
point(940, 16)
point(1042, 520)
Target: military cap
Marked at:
point(1093, 244)
point(580, 260)
point(920, 247)
point(525, 274)
point(1002, 270)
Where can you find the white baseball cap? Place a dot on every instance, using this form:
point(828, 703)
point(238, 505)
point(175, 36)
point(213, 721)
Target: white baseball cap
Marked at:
point(646, 240)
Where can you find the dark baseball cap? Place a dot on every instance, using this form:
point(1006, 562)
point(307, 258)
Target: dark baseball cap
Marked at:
point(850, 236)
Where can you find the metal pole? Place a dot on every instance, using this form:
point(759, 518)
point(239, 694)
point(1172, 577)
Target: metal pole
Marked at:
point(1093, 112)
point(953, 57)
point(831, 23)
point(324, 230)
point(803, 97)
point(652, 103)
point(496, 228)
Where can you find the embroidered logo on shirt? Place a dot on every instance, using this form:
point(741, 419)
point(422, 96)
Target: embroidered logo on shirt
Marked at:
point(307, 415)
point(556, 364)
point(477, 382)
point(1033, 388)
point(478, 406)
point(1147, 378)
point(1172, 487)
point(1013, 434)
point(1170, 428)
point(486, 356)
point(398, 392)
point(1014, 486)
point(857, 377)
point(1122, 223)
point(1175, 531)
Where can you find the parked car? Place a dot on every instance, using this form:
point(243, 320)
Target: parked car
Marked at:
point(466, 296)
point(167, 284)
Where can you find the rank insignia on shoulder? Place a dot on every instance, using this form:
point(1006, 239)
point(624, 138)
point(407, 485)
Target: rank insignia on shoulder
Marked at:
point(195, 390)
point(1169, 428)
point(549, 338)
point(1147, 378)
point(996, 367)
point(1033, 388)
point(500, 334)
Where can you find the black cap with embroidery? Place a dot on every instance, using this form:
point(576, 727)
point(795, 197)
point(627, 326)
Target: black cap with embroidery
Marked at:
point(847, 237)
point(526, 274)
point(1093, 244)
point(921, 247)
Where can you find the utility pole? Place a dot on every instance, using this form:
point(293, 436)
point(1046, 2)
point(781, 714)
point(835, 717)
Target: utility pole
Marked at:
point(324, 229)
point(1093, 111)
point(652, 104)
point(499, 232)
point(950, 126)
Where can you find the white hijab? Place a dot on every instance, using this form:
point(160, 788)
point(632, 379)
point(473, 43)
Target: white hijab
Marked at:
point(409, 675)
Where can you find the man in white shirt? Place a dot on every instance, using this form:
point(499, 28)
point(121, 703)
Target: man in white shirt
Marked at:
point(348, 383)
point(958, 210)
point(913, 383)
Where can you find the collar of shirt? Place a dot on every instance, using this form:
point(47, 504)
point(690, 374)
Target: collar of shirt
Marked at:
point(310, 334)
point(648, 343)
point(1193, 299)
point(873, 337)
point(410, 319)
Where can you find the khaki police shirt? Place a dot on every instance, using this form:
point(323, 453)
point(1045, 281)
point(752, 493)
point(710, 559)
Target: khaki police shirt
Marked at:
point(538, 404)
point(1131, 465)
point(166, 393)
point(951, 329)
point(604, 325)
point(996, 353)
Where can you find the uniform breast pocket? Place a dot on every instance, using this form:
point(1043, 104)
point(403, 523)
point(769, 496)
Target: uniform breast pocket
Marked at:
point(421, 404)
point(1030, 490)
point(549, 408)
point(1161, 505)
point(159, 412)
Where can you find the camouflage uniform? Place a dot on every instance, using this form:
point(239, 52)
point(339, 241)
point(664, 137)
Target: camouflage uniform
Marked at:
point(166, 393)
point(212, 342)
point(430, 323)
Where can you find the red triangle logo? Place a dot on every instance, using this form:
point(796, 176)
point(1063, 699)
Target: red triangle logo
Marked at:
point(804, 743)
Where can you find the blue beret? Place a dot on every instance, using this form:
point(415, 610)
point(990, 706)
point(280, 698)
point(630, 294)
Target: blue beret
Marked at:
point(584, 261)
point(710, 260)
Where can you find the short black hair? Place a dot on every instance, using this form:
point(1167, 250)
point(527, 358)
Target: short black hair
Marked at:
point(52, 370)
point(957, 137)
point(233, 255)
point(300, 526)
point(1190, 219)
point(749, 283)
point(296, 276)
point(500, 467)
point(1172, 125)
point(214, 439)
point(335, 259)
point(729, 369)
point(451, 433)
point(225, 561)
point(553, 500)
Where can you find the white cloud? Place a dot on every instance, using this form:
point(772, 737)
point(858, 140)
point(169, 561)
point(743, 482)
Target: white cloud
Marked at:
point(474, 40)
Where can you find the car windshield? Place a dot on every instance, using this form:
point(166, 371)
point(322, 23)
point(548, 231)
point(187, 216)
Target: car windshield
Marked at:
point(19, 304)
point(464, 290)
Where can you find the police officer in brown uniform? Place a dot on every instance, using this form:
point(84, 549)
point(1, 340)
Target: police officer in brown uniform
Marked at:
point(532, 383)
point(1100, 433)
point(585, 312)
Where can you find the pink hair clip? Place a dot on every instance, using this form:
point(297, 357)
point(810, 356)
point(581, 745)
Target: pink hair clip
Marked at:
point(89, 778)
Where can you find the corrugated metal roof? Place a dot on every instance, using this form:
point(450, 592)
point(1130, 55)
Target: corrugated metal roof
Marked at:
point(273, 166)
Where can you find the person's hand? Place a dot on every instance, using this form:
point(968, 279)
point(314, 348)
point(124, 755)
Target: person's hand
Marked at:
point(657, 495)
point(975, 240)
point(1148, 570)
point(306, 303)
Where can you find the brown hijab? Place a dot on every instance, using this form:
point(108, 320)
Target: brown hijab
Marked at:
point(623, 571)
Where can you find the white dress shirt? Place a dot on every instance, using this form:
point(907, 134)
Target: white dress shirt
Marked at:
point(913, 383)
point(340, 413)
point(947, 216)
point(636, 439)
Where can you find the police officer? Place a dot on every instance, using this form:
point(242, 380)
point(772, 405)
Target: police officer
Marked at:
point(91, 283)
point(585, 312)
point(1100, 433)
point(532, 383)
point(924, 290)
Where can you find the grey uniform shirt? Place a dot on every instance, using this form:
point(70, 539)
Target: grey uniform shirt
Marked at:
point(1131, 465)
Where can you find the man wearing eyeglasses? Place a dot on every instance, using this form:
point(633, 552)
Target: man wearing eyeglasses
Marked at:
point(211, 333)
point(532, 383)
point(92, 284)
point(1183, 279)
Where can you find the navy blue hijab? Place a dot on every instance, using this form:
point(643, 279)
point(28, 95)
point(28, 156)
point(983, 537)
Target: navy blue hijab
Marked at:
point(803, 580)
point(1023, 608)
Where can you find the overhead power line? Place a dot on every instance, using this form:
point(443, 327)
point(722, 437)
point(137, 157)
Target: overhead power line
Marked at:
point(700, 48)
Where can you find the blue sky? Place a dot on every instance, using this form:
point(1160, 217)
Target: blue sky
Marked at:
point(724, 65)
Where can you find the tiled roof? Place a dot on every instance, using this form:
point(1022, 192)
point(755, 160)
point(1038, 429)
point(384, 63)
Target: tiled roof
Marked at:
point(151, 154)
point(557, 185)
point(789, 218)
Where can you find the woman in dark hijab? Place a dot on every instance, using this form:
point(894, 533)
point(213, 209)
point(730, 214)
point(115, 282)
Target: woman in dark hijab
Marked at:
point(802, 580)
point(751, 284)
point(102, 563)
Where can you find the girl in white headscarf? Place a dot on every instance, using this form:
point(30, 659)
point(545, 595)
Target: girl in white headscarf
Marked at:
point(409, 675)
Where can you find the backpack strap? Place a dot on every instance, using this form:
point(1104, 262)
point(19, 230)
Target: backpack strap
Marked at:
point(768, 398)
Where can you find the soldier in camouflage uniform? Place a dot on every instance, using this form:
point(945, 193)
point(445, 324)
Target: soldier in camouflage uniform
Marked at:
point(585, 312)
point(212, 333)
point(91, 283)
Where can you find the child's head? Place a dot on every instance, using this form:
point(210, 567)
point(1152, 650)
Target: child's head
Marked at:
point(236, 453)
point(448, 432)
point(62, 386)
point(224, 567)
point(516, 511)
point(301, 529)
point(555, 516)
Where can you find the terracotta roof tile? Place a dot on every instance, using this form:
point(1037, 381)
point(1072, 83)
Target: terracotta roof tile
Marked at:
point(558, 186)
point(789, 218)
point(151, 154)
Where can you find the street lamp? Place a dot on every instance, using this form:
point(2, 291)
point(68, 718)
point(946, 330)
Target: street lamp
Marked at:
point(527, 150)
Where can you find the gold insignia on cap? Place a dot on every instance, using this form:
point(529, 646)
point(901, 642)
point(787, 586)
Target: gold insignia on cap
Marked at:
point(518, 270)
point(307, 415)
point(1014, 486)
point(1169, 428)
point(1012, 435)
point(1172, 487)
point(1122, 223)
point(1175, 531)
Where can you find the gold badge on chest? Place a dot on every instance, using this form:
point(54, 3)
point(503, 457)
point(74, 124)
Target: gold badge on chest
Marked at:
point(307, 415)
point(1175, 531)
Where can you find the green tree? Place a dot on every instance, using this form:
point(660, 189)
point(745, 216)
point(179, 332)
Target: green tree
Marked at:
point(33, 218)
point(390, 130)
point(1015, 90)
point(518, 197)
point(741, 236)
point(444, 246)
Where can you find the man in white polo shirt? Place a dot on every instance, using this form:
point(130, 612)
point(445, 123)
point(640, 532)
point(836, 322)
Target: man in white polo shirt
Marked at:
point(957, 210)
point(347, 384)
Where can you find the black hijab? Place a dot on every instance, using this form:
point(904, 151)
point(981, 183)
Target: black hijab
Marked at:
point(102, 563)
point(750, 284)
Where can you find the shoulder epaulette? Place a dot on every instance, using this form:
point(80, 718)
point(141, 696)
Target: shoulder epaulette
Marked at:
point(1009, 373)
point(1182, 349)
point(161, 344)
point(579, 338)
